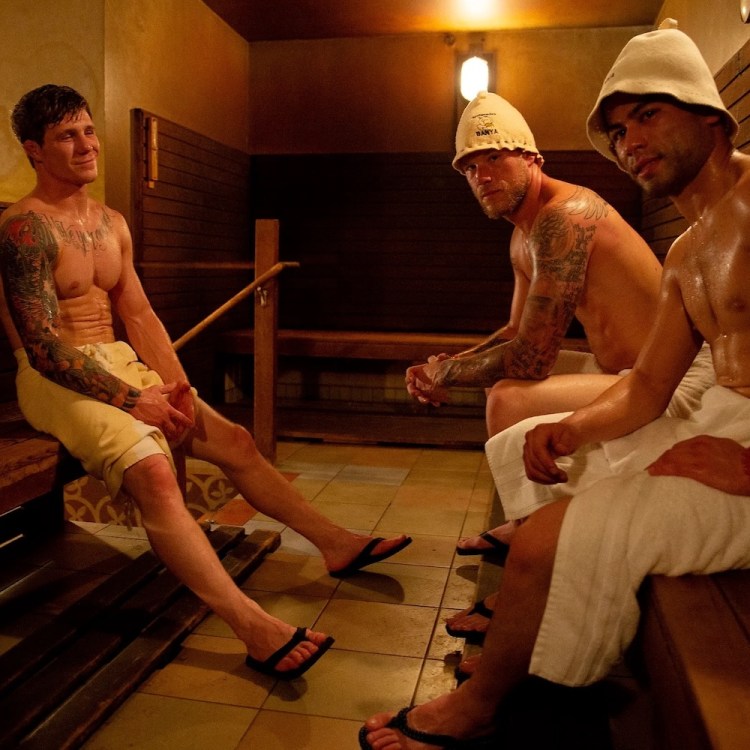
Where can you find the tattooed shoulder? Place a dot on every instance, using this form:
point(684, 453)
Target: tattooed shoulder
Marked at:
point(27, 233)
point(587, 203)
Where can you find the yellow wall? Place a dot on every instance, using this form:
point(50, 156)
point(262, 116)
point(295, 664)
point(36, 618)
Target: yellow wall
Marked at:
point(387, 94)
point(714, 25)
point(175, 58)
point(47, 41)
point(396, 93)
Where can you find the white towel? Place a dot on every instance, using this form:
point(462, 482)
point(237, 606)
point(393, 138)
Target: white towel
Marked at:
point(631, 525)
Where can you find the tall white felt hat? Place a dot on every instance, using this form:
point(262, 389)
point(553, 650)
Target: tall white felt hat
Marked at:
point(665, 61)
point(490, 122)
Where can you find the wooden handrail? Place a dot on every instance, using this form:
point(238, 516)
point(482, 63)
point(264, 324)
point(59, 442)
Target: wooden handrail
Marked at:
point(275, 270)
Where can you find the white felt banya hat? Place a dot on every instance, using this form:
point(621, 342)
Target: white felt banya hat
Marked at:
point(665, 61)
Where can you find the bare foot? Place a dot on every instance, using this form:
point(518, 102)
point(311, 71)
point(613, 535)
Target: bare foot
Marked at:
point(447, 716)
point(264, 635)
point(470, 620)
point(359, 551)
point(488, 541)
point(468, 666)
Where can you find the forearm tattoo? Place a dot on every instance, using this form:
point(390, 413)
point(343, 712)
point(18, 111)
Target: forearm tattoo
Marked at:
point(560, 243)
point(28, 253)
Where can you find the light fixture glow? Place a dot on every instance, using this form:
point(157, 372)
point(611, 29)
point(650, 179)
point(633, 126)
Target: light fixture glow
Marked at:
point(475, 77)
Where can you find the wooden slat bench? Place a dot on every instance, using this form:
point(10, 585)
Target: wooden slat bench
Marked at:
point(695, 649)
point(62, 681)
point(34, 468)
point(387, 345)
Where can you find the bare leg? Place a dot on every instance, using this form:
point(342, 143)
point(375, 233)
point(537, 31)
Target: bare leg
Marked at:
point(510, 401)
point(469, 711)
point(181, 545)
point(230, 447)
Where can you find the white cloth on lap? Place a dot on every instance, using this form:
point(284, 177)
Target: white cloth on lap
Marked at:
point(630, 525)
point(521, 497)
point(613, 536)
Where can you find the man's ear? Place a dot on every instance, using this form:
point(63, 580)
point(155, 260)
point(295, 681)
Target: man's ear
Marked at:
point(33, 150)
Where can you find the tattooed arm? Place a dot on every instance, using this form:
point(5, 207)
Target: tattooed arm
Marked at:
point(28, 251)
point(560, 242)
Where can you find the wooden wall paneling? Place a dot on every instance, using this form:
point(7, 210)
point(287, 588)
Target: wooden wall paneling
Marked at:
point(397, 241)
point(192, 234)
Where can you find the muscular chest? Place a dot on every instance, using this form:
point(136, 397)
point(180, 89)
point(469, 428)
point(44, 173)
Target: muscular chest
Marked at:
point(86, 260)
point(716, 280)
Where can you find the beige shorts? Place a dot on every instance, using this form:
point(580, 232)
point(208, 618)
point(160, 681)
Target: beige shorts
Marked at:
point(105, 439)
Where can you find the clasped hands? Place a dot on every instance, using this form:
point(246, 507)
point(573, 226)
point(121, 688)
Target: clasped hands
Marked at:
point(421, 381)
point(170, 407)
point(714, 461)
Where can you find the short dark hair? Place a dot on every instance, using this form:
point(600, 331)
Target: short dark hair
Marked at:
point(44, 106)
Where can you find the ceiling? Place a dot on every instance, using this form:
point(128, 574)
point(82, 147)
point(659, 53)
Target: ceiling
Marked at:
point(276, 20)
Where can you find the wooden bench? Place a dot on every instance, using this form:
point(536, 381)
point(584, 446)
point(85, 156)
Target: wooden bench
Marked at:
point(34, 468)
point(695, 650)
point(387, 345)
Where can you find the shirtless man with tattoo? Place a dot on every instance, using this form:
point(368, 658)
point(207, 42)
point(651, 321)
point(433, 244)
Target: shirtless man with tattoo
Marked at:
point(679, 502)
point(572, 255)
point(67, 268)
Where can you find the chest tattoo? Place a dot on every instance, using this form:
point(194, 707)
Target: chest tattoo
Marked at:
point(82, 239)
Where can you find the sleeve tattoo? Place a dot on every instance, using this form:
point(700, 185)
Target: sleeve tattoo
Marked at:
point(561, 241)
point(28, 251)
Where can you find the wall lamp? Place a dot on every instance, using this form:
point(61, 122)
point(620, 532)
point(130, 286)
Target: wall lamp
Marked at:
point(476, 74)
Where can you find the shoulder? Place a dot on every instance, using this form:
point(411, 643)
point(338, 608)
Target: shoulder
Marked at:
point(115, 220)
point(22, 225)
point(740, 195)
point(579, 203)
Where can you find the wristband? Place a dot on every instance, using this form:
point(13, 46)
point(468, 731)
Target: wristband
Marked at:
point(746, 461)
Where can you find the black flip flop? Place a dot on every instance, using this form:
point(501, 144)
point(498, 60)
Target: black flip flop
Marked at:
point(472, 636)
point(268, 666)
point(444, 741)
point(365, 557)
point(496, 548)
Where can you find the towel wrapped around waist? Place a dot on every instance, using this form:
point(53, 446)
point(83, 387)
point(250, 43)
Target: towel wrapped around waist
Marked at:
point(594, 462)
point(628, 526)
point(104, 438)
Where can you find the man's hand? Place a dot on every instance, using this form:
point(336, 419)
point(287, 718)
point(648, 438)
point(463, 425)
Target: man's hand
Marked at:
point(420, 382)
point(544, 443)
point(182, 399)
point(713, 461)
point(154, 408)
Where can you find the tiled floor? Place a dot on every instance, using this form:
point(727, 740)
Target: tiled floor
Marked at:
point(391, 647)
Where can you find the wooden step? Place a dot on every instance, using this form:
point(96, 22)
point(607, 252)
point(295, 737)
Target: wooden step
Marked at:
point(85, 663)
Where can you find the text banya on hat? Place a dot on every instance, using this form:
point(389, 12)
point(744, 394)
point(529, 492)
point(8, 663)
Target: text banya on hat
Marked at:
point(490, 122)
point(665, 61)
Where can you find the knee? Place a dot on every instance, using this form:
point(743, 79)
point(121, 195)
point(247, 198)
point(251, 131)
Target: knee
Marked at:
point(529, 551)
point(153, 486)
point(241, 448)
point(506, 405)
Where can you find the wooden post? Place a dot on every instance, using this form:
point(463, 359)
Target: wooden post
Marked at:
point(265, 365)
